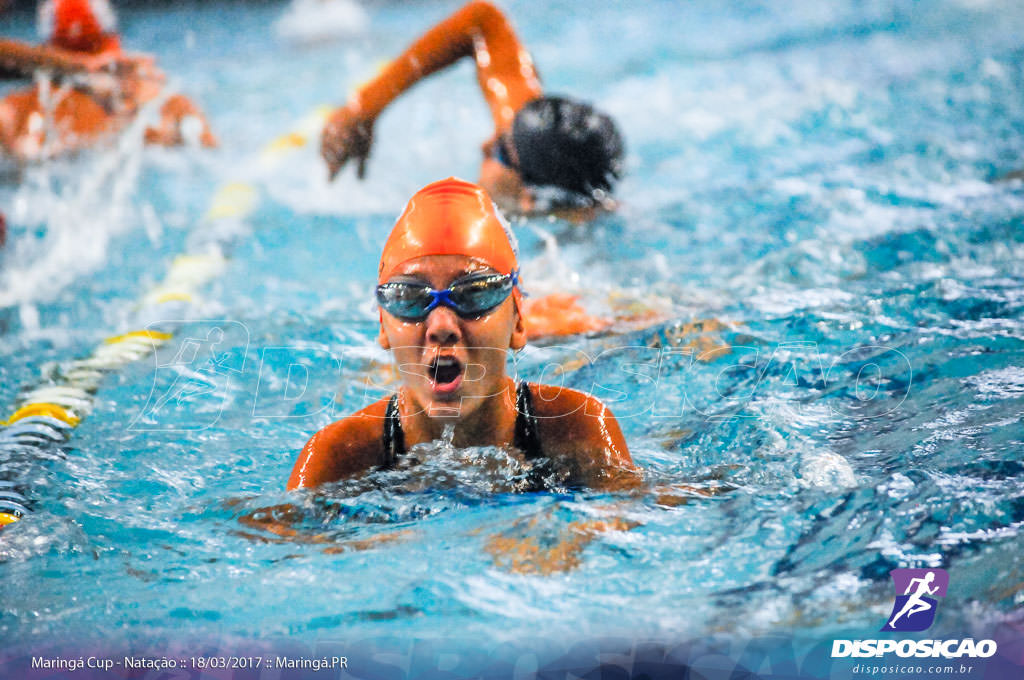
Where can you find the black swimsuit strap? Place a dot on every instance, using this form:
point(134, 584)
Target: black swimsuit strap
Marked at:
point(527, 433)
point(394, 438)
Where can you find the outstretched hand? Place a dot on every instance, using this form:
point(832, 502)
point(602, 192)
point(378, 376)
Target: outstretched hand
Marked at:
point(347, 134)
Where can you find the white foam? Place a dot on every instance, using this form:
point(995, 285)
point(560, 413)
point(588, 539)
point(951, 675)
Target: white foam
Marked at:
point(1004, 383)
point(309, 21)
point(826, 470)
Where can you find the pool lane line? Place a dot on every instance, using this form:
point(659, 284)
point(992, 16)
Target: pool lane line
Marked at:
point(46, 414)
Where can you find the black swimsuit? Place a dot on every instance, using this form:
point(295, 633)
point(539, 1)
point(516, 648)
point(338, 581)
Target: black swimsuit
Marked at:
point(527, 436)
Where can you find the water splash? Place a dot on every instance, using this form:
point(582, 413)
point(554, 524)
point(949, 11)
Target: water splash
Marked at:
point(314, 21)
point(447, 437)
point(78, 206)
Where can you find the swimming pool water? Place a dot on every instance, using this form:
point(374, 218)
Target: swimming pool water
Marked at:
point(819, 179)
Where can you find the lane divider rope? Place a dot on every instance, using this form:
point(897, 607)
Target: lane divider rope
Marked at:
point(47, 413)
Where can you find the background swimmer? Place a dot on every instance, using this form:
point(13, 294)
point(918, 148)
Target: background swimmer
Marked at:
point(449, 296)
point(541, 145)
point(92, 88)
point(539, 141)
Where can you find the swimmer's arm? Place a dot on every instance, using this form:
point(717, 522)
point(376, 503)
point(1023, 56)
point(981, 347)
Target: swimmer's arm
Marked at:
point(603, 460)
point(342, 449)
point(580, 430)
point(281, 521)
point(21, 59)
point(537, 552)
point(505, 71)
point(530, 549)
point(558, 314)
point(504, 68)
point(174, 115)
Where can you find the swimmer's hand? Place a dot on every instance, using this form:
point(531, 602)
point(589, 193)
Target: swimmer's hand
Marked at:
point(181, 123)
point(347, 134)
point(540, 552)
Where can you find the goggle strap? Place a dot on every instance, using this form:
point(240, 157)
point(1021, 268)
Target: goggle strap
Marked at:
point(514, 274)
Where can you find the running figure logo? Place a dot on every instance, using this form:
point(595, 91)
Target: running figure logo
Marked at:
point(916, 590)
point(191, 389)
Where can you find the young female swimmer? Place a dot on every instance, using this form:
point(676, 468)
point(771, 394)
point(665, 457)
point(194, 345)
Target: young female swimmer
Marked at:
point(449, 296)
point(539, 141)
point(95, 88)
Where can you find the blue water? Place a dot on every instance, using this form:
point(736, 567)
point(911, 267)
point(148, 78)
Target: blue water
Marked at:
point(817, 179)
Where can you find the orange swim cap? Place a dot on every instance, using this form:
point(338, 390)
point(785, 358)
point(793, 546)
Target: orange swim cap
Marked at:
point(80, 25)
point(450, 217)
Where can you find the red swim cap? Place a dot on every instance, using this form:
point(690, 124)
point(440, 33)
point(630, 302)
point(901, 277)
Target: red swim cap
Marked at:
point(80, 25)
point(450, 217)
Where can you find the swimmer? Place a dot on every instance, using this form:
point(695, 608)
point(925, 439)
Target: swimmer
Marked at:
point(540, 142)
point(449, 297)
point(92, 88)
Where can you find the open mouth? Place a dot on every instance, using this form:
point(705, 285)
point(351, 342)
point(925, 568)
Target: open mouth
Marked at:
point(445, 373)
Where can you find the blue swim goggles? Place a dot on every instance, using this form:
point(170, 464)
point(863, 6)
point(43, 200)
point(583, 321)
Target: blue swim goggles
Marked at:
point(471, 297)
point(501, 153)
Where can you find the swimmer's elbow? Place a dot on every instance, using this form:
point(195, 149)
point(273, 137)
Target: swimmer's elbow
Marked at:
point(484, 14)
point(482, 8)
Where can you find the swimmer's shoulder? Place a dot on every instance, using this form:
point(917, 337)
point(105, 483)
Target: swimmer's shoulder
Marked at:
point(343, 448)
point(578, 426)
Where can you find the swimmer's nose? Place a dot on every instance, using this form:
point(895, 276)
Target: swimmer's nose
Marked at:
point(443, 326)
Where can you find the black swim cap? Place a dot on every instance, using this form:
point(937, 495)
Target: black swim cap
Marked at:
point(567, 144)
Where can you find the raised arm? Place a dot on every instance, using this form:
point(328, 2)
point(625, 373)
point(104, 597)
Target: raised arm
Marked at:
point(504, 69)
point(21, 59)
point(503, 66)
